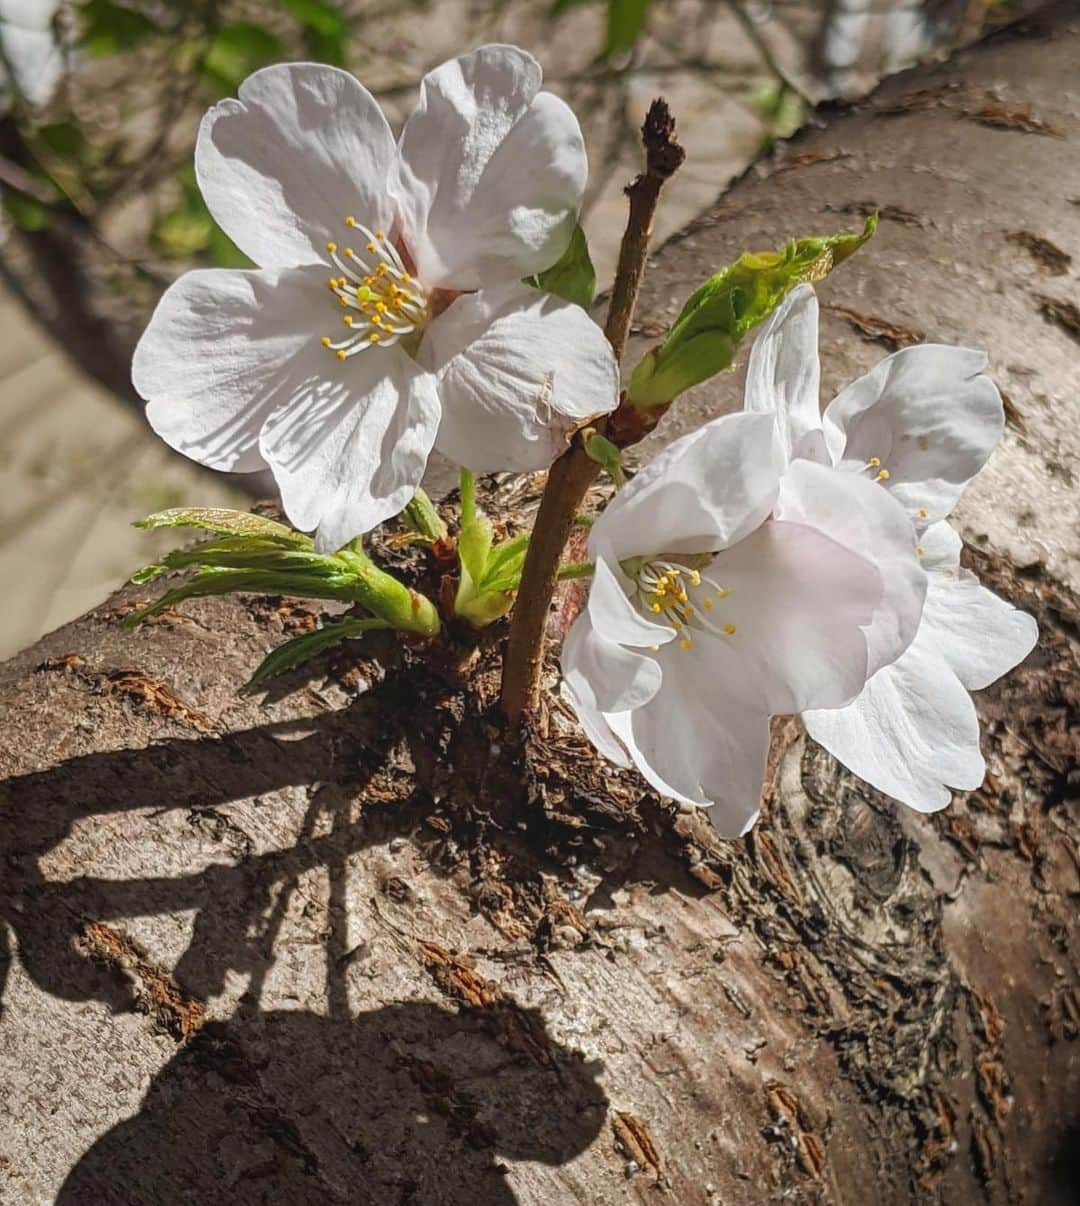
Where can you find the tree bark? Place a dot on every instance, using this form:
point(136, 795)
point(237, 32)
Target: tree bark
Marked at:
point(324, 947)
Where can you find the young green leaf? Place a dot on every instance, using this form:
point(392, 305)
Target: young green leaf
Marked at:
point(309, 644)
point(572, 277)
point(227, 523)
point(109, 28)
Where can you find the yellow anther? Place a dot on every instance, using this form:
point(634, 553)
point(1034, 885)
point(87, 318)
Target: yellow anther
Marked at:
point(332, 282)
point(682, 596)
point(707, 604)
point(372, 247)
point(347, 319)
point(341, 354)
point(689, 612)
point(331, 247)
point(380, 307)
point(695, 578)
point(344, 301)
point(676, 626)
point(723, 592)
point(923, 512)
point(350, 221)
point(656, 609)
point(729, 629)
point(380, 234)
point(326, 341)
point(654, 648)
point(349, 253)
point(406, 278)
point(883, 475)
point(874, 462)
point(374, 337)
point(919, 549)
point(686, 643)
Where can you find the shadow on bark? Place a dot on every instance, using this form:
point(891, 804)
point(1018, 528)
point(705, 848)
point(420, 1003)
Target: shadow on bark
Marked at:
point(411, 1103)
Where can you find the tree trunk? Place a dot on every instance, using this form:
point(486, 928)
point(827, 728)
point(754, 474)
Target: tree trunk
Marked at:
point(324, 947)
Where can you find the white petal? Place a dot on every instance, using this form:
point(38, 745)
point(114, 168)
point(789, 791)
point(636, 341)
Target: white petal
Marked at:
point(862, 517)
point(519, 371)
point(705, 491)
point(703, 739)
point(349, 447)
point(912, 733)
point(217, 358)
point(614, 616)
point(929, 414)
point(607, 677)
point(596, 728)
point(282, 166)
point(491, 171)
point(980, 636)
point(783, 377)
point(798, 602)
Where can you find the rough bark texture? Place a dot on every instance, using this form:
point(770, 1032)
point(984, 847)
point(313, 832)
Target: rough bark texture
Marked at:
point(323, 946)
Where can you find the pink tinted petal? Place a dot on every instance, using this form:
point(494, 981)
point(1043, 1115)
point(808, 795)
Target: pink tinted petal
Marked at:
point(703, 739)
point(798, 605)
point(859, 515)
point(705, 491)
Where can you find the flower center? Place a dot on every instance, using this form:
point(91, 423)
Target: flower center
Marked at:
point(682, 597)
point(383, 304)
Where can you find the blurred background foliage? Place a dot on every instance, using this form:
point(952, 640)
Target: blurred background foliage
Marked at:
point(100, 102)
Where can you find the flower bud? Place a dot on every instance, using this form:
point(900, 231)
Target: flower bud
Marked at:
point(705, 337)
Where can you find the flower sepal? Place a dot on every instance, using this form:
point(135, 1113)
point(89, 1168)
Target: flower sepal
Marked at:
point(705, 337)
point(254, 554)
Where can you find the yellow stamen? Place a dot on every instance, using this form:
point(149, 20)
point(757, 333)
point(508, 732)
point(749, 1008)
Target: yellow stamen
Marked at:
point(331, 247)
point(341, 354)
point(723, 592)
point(350, 221)
point(922, 512)
point(883, 475)
point(874, 462)
point(373, 337)
point(372, 247)
point(656, 609)
point(686, 643)
point(326, 341)
point(707, 604)
point(920, 550)
point(729, 629)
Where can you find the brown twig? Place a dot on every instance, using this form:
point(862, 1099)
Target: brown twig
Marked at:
point(574, 472)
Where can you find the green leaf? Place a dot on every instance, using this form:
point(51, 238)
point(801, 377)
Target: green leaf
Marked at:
point(306, 646)
point(63, 138)
point(237, 50)
point(25, 212)
point(625, 23)
point(110, 28)
point(705, 337)
point(227, 523)
point(572, 277)
point(601, 450)
point(259, 555)
point(422, 516)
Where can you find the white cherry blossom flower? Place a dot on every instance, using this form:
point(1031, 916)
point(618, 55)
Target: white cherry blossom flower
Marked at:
point(386, 315)
point(731, 585)
point(920, 424)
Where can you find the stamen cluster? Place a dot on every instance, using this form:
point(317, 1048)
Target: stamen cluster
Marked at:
point(680, 594)
point(384, 301)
